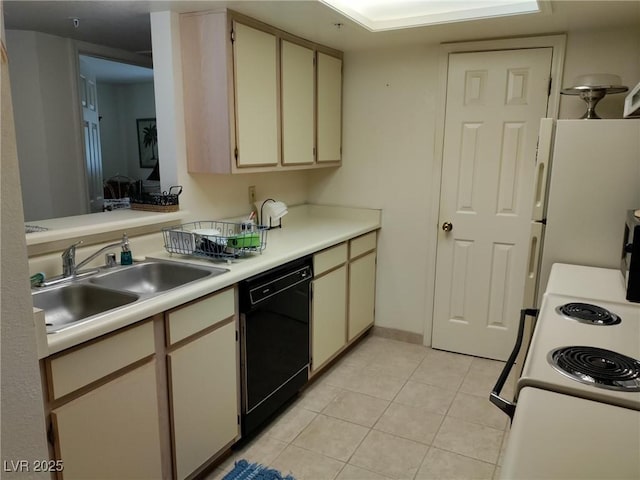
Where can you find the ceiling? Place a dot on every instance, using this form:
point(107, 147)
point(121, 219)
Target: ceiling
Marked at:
point(107, 71)
point(125, 24)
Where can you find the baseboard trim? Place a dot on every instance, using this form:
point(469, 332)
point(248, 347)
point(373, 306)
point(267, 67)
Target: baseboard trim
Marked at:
point(396, 334)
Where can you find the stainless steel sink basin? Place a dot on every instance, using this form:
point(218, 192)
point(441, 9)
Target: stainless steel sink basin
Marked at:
point(68, 304)
point(154, 277)
point(86, 298)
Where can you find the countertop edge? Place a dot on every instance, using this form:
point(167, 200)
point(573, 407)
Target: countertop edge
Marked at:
point(338, 229)
point(98, 223)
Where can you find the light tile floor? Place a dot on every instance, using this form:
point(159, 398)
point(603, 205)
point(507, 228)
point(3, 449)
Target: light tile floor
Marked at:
point(388, 410)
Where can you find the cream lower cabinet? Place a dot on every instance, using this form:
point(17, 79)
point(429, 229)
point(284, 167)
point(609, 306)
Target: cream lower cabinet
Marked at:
point(203, 380)
point(112, 431)
point(328, 304)
point(204, 399)
point(343, 303)
point(362, 290)
point(329, 316)
point(156, 400)
point(362, 283)
point(105, 407)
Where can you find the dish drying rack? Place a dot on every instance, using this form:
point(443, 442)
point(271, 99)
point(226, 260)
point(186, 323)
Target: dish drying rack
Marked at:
point(215, 240)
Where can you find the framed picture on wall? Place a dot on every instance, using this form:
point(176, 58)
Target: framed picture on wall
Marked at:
point(147, 142)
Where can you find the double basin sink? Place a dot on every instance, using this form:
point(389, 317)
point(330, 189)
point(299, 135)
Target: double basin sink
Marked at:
point(81, 300)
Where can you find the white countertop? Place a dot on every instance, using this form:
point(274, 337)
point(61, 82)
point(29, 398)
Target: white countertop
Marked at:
point(97, 223)
point(306, 230)
point(587, 282)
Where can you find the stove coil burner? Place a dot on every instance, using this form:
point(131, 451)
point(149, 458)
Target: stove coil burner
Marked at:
point(598, 367)
point(587, 313)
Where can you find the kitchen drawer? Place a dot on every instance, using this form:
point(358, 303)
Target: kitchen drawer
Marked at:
point(362, 244)
point(195, 317)
point(329, 258)
point(71, 371)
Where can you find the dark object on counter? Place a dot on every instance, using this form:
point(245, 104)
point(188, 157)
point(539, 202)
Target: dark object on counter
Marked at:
point(210, 247)
point(274, 340)
point(630, 264)
point(158, 202)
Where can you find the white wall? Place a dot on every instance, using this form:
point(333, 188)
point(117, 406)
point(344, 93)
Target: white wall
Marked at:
point(45, 105)
point(139, 102)
point(390, 100)
point(23, 425)
point(388, 161)
point(606, 51)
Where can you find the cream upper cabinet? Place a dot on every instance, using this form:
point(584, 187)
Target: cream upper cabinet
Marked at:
point(329, 108)
point(297, 65)
point(250, 97)
point(256, 96)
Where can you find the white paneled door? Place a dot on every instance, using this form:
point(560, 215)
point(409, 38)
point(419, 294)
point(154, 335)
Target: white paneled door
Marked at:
point(494, 104)
point(91, 134)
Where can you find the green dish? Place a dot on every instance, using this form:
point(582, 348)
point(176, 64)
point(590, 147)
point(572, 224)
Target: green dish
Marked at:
point(245, 240)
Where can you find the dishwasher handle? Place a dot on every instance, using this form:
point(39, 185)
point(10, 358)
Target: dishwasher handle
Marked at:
point(507, 406)
point(283, 282)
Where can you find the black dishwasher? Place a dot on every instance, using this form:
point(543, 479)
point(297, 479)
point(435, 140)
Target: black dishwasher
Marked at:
point(274, 339)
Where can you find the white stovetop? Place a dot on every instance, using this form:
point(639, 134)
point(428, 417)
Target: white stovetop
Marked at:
point(554, 330)
point(561, 435)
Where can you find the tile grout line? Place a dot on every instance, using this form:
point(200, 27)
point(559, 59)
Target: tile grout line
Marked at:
point(405, 380)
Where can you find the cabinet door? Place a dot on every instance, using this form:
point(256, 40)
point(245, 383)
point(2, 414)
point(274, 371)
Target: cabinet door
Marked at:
point(112, 431)
point(329, 108)
point(204, 398)
point(297, 104)
point(329, 315)
point(362, 291)
point(256, 96)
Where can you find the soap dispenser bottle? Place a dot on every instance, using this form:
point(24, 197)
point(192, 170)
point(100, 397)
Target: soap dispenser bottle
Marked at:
point(125, 256)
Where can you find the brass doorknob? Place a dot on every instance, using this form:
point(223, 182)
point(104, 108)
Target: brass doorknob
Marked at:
point(447, 226)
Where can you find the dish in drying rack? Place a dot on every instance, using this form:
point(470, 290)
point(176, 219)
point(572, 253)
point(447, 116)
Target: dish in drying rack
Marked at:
point(214, 239)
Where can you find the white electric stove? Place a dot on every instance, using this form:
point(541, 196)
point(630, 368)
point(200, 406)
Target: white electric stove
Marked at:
point(586, 349)
point(577, 413)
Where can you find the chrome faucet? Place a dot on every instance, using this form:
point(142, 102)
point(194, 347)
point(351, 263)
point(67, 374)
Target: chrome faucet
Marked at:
point(69, 267)
point(69, 260)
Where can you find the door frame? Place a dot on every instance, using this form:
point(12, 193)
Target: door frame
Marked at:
point(106, 53)
point(558, 44)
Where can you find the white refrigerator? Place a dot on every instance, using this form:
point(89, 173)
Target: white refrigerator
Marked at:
point(587, 177)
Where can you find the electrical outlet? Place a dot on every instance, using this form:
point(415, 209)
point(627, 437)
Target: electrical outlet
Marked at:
point(252, 194)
